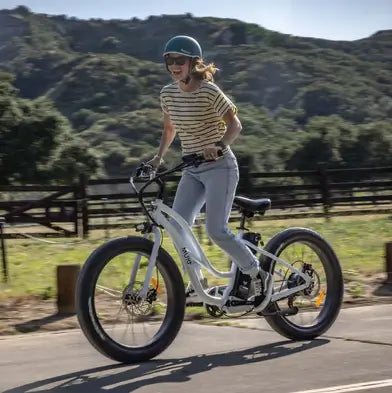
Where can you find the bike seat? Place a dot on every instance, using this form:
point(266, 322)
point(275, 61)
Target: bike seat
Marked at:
point(253, 205)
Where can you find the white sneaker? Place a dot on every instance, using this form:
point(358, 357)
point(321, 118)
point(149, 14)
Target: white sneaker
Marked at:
point(260, 285)
point(191, 297)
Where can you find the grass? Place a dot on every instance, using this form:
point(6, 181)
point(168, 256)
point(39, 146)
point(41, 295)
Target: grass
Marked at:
point(358, 241)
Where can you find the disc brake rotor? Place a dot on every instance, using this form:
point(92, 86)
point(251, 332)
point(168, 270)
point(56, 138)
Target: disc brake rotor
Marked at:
point(135, 305)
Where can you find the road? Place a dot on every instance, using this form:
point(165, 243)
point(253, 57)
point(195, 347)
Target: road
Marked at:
point(356, 351)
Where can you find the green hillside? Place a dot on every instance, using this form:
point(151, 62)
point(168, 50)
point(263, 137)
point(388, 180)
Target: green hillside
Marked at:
point(301, 100)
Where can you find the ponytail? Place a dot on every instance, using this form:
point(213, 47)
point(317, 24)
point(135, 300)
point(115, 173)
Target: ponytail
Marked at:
point(203, 71)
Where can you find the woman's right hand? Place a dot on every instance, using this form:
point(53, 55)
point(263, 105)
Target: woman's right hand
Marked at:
point(155, 162)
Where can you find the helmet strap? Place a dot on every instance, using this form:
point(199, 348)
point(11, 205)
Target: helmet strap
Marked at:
point(188, 78)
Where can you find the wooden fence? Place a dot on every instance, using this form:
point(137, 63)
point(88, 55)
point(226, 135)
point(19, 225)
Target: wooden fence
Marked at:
point(66, 211)
point(74, 210)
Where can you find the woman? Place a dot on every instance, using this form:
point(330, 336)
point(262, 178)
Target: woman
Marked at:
point(206, 121)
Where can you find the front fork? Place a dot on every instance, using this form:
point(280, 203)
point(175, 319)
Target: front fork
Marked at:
point(151, 263)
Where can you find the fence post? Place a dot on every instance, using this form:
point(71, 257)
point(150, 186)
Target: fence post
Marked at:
point(76, 212)
point(83, 203)
point(67, 276)
point(388, 261)
point(324, 187)
point(105, 220)
point(245, 184)
point(3, 251)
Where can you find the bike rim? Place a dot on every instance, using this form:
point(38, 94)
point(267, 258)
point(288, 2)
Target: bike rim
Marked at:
point(119, 314)
point(313, 303)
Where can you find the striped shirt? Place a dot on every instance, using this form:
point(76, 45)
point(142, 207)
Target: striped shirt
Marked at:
point(196, 115)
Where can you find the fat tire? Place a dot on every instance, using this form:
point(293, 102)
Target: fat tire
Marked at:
point(334, 279)
point(86, 310)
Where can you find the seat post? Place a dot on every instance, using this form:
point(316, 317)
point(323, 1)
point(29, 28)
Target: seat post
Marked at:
point(243, 218)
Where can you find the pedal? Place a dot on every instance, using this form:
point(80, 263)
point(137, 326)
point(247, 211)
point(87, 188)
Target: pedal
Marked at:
point(238, 302)
point(283, 312)
point(196, 304)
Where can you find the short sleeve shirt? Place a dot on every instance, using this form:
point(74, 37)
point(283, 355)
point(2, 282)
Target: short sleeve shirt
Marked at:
point(197, 115)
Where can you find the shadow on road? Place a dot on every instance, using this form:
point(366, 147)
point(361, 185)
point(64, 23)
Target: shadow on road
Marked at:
point(36, 324)
point(119, 378)
point(384, 289)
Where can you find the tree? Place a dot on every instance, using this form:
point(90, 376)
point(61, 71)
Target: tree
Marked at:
point(326, 139)
point(110, 44)
point(373, 146)
point(22, 10)
point(31, 134)
point(340, 144)
point(105, 77)
point(73, 158)
point(322, 99)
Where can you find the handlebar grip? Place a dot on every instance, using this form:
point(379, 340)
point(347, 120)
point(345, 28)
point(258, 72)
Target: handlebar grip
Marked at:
point(145, 171)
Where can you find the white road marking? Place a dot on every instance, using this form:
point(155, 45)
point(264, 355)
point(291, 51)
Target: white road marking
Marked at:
point(351, 388)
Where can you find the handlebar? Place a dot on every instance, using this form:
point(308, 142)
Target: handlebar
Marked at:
point(149, 173)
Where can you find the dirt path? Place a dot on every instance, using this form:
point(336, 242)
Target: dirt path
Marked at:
point(31, 314)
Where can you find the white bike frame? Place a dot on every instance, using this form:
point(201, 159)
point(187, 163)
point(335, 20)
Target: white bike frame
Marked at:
point(193, 258)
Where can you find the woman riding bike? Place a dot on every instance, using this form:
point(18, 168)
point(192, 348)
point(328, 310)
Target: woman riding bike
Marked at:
point(206, 122)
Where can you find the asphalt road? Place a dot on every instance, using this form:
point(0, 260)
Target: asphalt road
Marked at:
point(356, 351)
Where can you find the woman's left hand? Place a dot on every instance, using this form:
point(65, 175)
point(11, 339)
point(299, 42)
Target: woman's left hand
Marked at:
point(211, 152)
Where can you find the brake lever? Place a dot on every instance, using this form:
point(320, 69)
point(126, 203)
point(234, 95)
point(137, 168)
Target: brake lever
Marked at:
point(145, 171)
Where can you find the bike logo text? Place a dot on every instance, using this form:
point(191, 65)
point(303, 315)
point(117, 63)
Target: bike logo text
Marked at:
point(187, 256)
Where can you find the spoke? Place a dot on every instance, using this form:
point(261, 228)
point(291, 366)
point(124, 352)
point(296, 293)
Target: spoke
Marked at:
point(117, 319)
point(297, 254)
point(137, 326)
point(290, 255)
point(132, 316)
point(311, 258)
point(279, 273)
point(161, 303)
point(145, 331)
point(126, 329)
point(112, 292)
point(303, 253)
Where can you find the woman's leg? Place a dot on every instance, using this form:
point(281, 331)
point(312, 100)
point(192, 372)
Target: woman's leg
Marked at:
point(190, 197)
point(220, 185)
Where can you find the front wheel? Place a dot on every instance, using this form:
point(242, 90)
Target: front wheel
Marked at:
point(117, 321)
point(312, 311)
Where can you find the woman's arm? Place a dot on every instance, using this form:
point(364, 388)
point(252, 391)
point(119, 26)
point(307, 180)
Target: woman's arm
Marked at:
point(233, 127)
point(168, 135)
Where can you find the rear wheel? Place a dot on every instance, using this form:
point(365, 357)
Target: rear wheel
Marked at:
point(310, 312)
point(115, 319)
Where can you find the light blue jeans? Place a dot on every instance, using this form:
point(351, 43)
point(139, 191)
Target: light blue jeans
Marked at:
point(214, 184)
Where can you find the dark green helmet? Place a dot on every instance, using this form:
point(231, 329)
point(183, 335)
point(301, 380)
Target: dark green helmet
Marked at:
point(183, 45)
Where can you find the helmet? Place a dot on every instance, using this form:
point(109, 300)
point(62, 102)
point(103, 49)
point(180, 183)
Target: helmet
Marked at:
point(183, 45)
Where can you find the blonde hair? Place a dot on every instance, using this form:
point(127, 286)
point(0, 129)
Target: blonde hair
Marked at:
point(200, 70)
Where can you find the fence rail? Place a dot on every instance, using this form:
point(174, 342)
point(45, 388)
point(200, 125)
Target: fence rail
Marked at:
point(72, 210)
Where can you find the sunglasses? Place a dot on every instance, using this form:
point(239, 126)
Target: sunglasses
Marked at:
point(175, 60)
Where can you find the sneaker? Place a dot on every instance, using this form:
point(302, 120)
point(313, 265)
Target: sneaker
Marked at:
point(191, 297)
point(260, 286)
point(259, 280)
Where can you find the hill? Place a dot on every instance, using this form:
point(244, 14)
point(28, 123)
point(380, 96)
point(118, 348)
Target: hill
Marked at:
point(295, 95)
